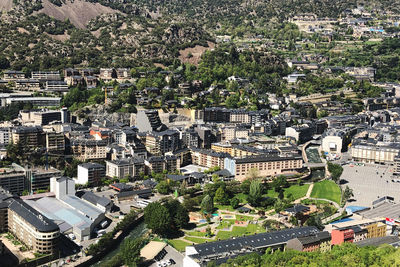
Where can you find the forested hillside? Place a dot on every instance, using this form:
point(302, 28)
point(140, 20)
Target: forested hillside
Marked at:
point(53, 34)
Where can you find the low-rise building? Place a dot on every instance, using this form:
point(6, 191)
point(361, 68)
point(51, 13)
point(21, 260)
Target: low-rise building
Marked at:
point(319, 242)
point(56, 86)
point(46, 75)
point(201, 254)
point(12, 75)
point(27, 85)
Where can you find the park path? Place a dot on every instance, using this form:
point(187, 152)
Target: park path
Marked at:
point(308, 194)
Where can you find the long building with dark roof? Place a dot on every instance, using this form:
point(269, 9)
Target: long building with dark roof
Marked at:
point(202, 254)
point(36, 231)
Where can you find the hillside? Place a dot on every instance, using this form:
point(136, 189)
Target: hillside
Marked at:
point(78, 12)
point(62, 33)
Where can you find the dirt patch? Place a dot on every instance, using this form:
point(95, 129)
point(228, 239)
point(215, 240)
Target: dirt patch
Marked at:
point(195, 53)
point(6, 5)
point(159, 65)
point(124, 26)
point(60, 37)
point(22, 30)
point(78, 12)
point(96, 33)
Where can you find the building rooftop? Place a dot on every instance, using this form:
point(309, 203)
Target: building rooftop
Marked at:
point(95, 199)
point(252, 241)
point(33, 217)
point(376, 241)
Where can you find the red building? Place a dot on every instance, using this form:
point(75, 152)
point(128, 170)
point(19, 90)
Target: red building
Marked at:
point(340, 236)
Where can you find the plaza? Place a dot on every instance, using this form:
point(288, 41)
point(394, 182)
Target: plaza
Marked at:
point(370, 182)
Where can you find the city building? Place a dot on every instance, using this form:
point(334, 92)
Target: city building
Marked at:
point(13, 179)
point(159, 143)
point(27, 85)
point(32, 228)
point(132, 167)
point(86, 149)
point(264, 165)
point(12, 75)
point(102, 203)
point(158, 164)
point(90, 173)
point(43, 76)
point(221, 251)
point(39, 101)
point(72, 214)
point(148, 121)
point(56, 86)
point(318, 242)
point(39, 178)
point(374, 151)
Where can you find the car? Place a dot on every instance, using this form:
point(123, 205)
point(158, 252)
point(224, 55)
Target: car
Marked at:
point(159, 264)
point(172, 261)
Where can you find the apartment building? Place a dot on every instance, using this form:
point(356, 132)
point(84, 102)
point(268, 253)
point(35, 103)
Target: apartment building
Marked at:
point(159, 143)
point(208, 158)
point(46, 75)
point(27, 85)
point(5, 136)
point(374, 152)
point(39, 178)
point(44, 116)
point(31, 137)
point(87, 149)
point(132, 167)
point(158, 164)
point(32, 228)
point(266, 165)
point(148, 121)
point(39, 101)
point(319, 242)
point(12, 75)
point(239, 116)
point(90, 173)
point(55, 142)
point(56, 86)
point(229, 133)
point(13, 179)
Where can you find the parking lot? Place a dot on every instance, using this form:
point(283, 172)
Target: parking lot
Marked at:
point(171, 254)
point(370, 182)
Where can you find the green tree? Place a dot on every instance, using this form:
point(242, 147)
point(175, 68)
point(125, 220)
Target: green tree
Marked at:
point(157, 218)
point(221, 196)
point(207, 204)
point(255, 194)
point(181, 218)
point(336, 171)
point(245, 186)
point(234, 202)
point(130, 251)
point(163, 187)
point(347, 193)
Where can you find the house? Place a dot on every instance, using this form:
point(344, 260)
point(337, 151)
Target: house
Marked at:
point(133, 195)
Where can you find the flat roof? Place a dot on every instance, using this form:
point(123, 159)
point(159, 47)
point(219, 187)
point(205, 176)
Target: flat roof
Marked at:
point(384, 210)
point(152, 249)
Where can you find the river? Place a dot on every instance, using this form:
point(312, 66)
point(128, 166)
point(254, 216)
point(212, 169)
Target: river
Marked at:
point(139, 230)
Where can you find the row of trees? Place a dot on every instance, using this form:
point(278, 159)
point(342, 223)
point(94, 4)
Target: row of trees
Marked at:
point(347, 254)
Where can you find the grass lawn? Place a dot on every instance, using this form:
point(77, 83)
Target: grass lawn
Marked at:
point(328, 190)
point(244, 218)
point(296, 191)
point(224, 207)
point(197, 240)
point(179, 244)
point(240, 231)
point(195, 233)
point(225, 224)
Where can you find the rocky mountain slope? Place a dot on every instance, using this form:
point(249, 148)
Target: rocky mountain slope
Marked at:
point(53, 34)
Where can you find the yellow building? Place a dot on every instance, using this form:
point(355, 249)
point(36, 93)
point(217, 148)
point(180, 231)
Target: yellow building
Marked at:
point(376, 230)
